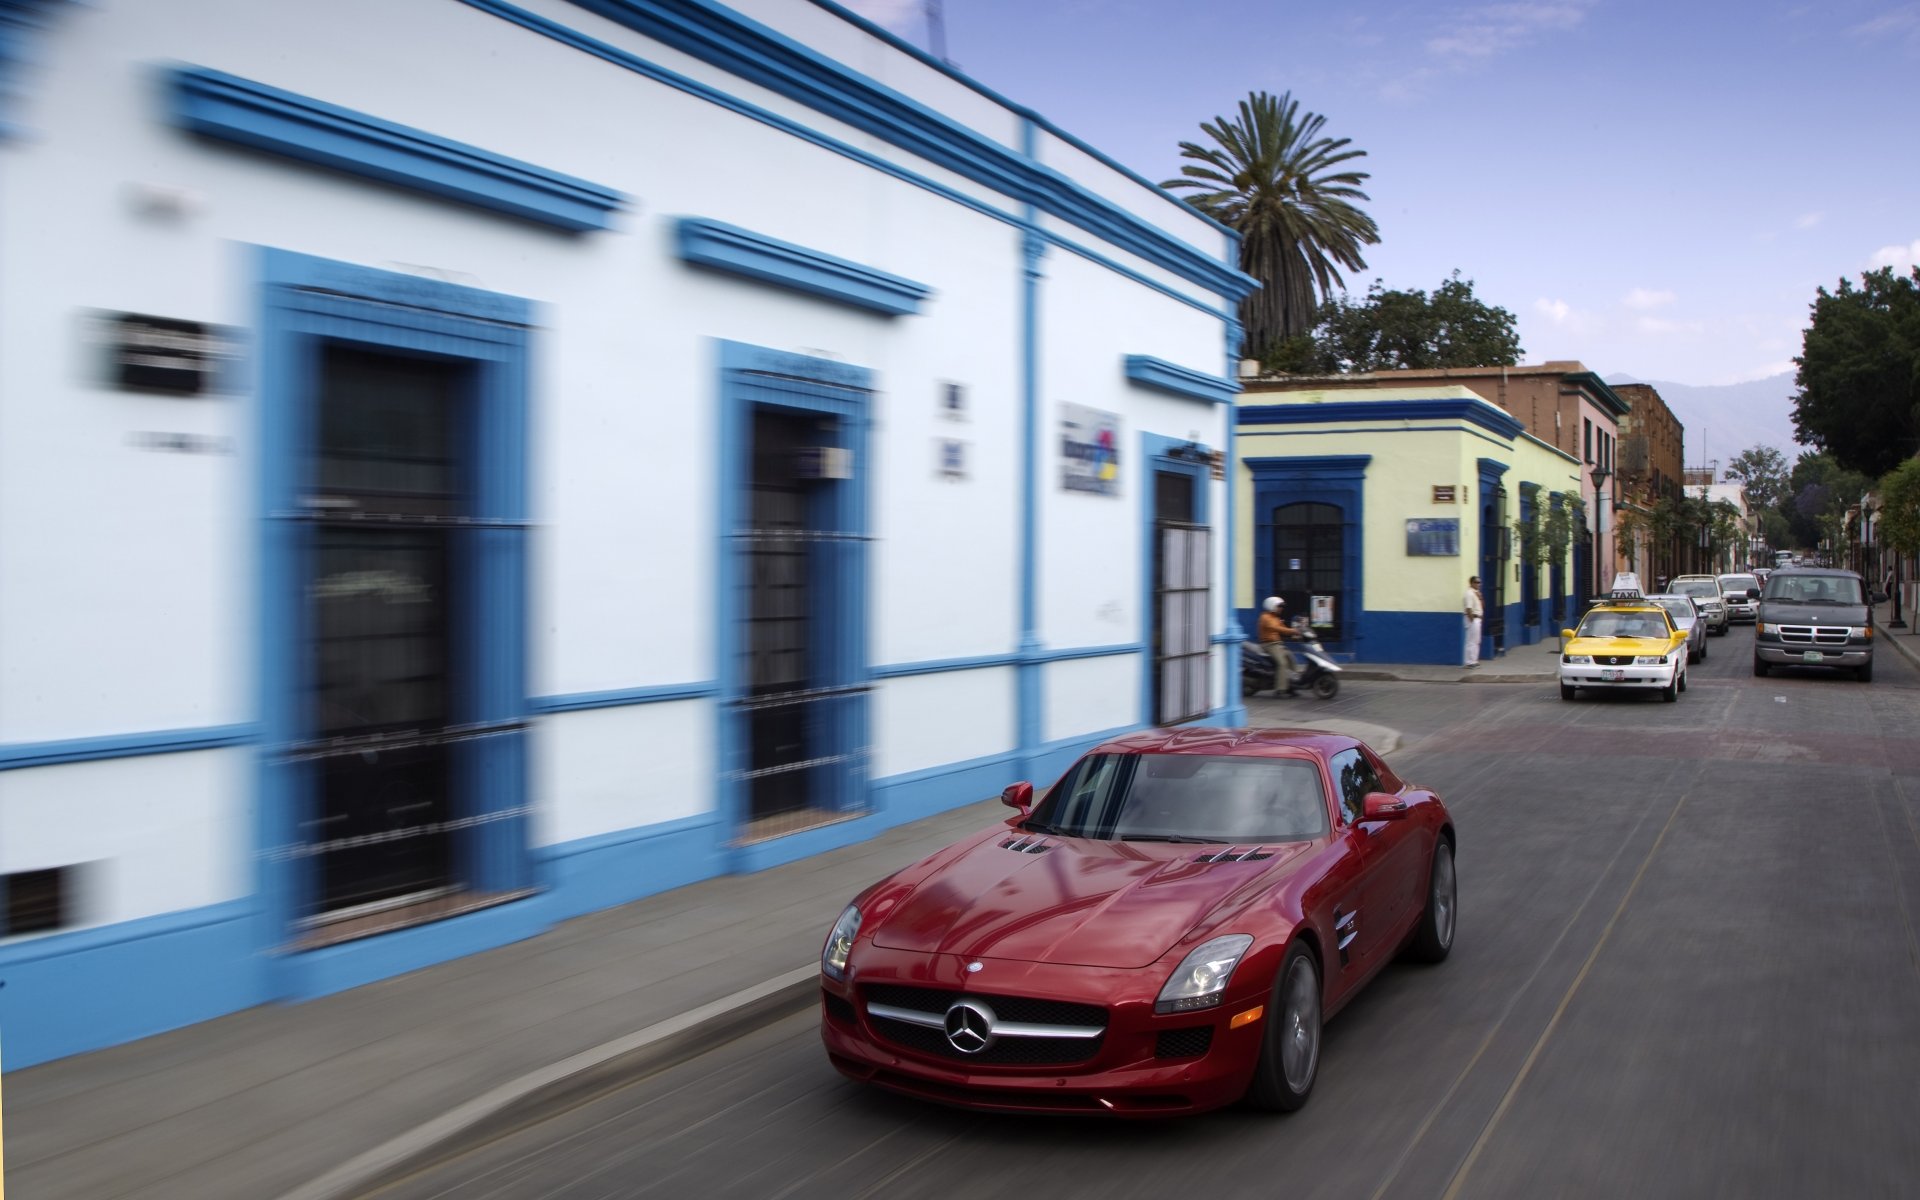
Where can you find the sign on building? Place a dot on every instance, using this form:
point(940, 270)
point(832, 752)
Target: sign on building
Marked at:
point(1433, 537)
point(1089, 450)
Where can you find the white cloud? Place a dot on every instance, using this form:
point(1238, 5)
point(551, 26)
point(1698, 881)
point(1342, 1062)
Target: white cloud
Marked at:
point(1900, 258)
point(1904, 19)
point(1557, 311)
point(1661, 327)
point(900, 16)
point(1646, 298)
point(1477, 34)
point(1809, 220)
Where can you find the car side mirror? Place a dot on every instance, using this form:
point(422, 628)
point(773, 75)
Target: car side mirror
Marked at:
point(1383, 806)
point(1018, 795)
point(1566, 635)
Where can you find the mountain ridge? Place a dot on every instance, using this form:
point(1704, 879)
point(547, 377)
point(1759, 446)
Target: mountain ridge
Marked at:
point(1720, 421)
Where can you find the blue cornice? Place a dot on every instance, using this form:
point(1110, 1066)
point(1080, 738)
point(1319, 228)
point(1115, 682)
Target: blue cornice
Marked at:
point(752, 51)
point(16, 755)
point(743, 252)
point(1164, 376)
point(1326, 466)
point(21, 23)
point(1477, 412)
point(1492, 468)
point(223, 106)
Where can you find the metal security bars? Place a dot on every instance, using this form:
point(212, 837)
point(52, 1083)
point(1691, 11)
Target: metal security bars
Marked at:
point(1180, 598)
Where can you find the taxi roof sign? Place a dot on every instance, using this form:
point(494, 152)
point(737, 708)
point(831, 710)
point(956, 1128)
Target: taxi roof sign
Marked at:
point(1626, 586)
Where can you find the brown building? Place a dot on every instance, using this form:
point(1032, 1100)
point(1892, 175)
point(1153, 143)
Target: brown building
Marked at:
point(1560, 402)
point(1651, 470)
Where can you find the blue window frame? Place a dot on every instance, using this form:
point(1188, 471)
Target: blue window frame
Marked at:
point(1333, 479)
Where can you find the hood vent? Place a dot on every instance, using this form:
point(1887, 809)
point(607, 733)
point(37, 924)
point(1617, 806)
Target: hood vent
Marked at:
point(1237, 854)
point(1024, 844)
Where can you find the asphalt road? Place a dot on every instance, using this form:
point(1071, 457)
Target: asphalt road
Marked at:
point(1686, 967)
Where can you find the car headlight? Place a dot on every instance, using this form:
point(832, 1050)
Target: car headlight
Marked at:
point(1202, 975)
point(833, 959)
point(1578, 660)
point(1862, 631)
point(1763, 627)
point(1649, 660)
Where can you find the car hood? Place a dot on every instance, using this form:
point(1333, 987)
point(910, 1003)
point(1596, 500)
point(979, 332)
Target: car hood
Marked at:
point(1786, 612)
point(1619, 645)
point(1075, 902)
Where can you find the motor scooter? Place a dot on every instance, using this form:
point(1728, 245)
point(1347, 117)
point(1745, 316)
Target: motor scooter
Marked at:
point(1314, 668)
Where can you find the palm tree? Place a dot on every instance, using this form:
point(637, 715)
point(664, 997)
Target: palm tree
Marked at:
point(1274, 179)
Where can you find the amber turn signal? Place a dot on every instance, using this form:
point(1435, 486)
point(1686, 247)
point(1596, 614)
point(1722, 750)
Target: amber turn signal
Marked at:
point(1248, 1017)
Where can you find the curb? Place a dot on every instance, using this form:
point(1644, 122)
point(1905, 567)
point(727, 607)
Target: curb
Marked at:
point(567, 1084)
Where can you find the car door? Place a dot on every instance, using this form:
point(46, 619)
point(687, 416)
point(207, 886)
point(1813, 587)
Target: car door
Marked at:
point(1397, 870)
point(1360, 922)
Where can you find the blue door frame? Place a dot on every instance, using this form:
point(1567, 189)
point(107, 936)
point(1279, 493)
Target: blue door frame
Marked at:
point(752, 377)
point(306, 304)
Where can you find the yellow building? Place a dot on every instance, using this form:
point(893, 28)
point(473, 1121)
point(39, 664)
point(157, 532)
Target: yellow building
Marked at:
point(1370, 511)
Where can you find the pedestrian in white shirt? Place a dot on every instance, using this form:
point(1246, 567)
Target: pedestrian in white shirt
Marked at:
point(1474, 611)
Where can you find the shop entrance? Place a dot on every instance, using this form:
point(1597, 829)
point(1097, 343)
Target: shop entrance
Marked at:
point(1182, 568)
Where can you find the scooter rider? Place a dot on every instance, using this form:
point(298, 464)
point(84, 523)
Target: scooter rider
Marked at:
point(1273, 635)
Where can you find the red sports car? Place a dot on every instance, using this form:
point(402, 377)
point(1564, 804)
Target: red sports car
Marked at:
point(1163, 933)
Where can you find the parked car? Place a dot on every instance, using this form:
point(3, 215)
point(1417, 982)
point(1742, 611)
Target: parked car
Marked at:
point(1713, 603)
point(1740, 606)
point(1685, 615)
point(1164, 932)
point(1814, 617)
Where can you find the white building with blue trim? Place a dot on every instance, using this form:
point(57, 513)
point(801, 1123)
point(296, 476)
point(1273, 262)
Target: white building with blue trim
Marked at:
point(467, 465)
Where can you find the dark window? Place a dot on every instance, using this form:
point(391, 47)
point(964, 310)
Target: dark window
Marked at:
point(36, 901)
point(1586, 433)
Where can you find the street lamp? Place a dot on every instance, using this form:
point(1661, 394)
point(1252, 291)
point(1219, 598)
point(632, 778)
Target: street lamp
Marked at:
point(1600, 476)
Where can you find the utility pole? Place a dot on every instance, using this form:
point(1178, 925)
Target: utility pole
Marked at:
point(936, 30)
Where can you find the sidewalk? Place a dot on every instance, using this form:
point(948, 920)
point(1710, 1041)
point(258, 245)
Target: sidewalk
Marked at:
point(267, 1101)
point(1903, 641)
point(1537, 663)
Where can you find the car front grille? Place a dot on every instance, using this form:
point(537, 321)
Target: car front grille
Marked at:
point(1814, 635)
point(1006, 1050)
point(1613, 660)
point(1007, 1008)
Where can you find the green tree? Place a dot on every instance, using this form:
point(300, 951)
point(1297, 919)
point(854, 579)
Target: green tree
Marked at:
point(1859, 372)
point(1820, 493)
point(1291, 194)
point(1900, 507)
point(1391, 329)
point(1764, 472)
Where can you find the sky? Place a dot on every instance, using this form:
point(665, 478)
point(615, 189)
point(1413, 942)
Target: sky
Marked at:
point(1656, 189)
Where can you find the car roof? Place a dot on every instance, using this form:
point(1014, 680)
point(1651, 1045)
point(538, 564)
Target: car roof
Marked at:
point(1253, 743)
point(1827, 571)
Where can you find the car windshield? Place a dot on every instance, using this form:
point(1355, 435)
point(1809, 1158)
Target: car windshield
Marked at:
point(1186, 798)
point(1738, 583)
point(1814, 589)
point(1680, 610)
point(1623, 625)
point(1699, 588)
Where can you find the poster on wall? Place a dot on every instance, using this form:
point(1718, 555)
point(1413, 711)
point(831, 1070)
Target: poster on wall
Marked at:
point(1089, 450)
point(1320, 612)
point(1433, 537)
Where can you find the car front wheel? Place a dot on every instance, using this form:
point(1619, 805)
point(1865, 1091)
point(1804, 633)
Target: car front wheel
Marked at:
point(1567, 691)
point(1759, 669)
point(1290, 1050)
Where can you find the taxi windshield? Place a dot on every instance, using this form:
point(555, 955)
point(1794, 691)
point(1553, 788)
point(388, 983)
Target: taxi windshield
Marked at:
point(1623, 625)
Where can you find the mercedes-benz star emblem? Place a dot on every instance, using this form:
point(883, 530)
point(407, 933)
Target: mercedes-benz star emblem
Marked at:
point(969, 1026)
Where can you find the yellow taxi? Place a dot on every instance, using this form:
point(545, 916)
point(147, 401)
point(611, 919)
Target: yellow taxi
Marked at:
point(1624, 641)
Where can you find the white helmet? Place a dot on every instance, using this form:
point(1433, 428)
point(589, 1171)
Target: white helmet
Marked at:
point(1273, 604)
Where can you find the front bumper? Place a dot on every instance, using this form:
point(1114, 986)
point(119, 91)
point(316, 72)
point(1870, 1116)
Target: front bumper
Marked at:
point(1742, 612)
point(1127, 1076)
point(1798, 656)
point(1600, 675)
